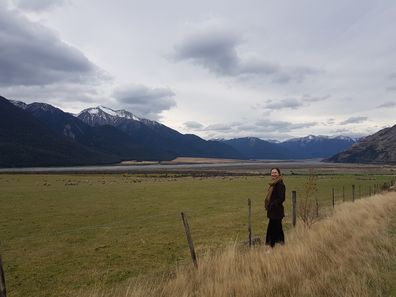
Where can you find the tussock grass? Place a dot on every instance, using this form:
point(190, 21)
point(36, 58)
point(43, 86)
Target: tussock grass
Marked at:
point(345, 254)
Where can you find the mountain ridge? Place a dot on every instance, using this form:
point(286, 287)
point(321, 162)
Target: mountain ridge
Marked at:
point(27, 142)
point(379, 147)
point(154, 134)
point(308, 147)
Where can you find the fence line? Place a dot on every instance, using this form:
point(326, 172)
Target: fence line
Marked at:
point(355, 194)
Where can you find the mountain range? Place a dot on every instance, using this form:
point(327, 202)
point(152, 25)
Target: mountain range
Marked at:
point(308, 147)
point(39, 134)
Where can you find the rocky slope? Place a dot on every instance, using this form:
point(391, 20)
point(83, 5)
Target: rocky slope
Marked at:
point(376, 148)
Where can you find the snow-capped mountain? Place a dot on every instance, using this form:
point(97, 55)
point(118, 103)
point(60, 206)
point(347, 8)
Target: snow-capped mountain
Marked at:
point(101, 115)
point(318, 138)
point(19, 104)
point(273, 140)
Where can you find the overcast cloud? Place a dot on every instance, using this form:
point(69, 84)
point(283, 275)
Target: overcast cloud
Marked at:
point(193, 125)
point(145, 102)
point(37, 5)
point(215, 48)
point(283, 103)
point(220, 69)
point(387, 104)
point(31, 54)
point(354, 120)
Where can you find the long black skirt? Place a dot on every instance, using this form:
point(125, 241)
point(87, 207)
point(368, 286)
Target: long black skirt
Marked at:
point(274, 233)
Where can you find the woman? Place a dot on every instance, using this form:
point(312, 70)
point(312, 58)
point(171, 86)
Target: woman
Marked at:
point(274, 206)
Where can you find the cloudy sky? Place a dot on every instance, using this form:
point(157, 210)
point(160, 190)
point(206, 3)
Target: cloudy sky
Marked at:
point(218, 69)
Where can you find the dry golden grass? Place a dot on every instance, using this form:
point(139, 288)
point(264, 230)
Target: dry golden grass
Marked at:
point(341, 255)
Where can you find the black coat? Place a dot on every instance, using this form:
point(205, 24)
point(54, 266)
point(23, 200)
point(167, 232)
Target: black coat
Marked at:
point(275, 207)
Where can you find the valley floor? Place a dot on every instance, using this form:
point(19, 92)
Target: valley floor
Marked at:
point(67, 234)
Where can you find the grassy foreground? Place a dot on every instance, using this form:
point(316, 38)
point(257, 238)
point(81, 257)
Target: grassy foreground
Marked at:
point(61, 235)
point(349, 254)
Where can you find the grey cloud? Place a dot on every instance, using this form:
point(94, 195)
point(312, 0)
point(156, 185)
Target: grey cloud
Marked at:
point(37, 5)
point(193, 125)
point(354, 120)
point(282, 126)
point(259, 128)
point(219, 127)
point(245, 127)
point(216, 50)
point(309, 98)
point(256, 66)
point(31, 54)
point(341, 130)
point(283, 103)
point(392, 78)
point(287, 74)
point(392, 75)
point(144, 101)
point(66, 96)
point(233, 127)
point(331, 121)
point(292, 103)
point(348, 133)
point(387, 104)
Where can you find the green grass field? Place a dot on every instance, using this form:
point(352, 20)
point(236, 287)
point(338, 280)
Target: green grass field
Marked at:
point(69, 233)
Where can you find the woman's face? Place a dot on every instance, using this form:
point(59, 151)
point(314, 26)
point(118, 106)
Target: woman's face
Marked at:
point(274, 173)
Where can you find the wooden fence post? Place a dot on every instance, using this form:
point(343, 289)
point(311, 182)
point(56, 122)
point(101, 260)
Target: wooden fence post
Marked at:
point(359, 193)
point(3, 291)
point(343, 193)
point(250, 221)
point(370, 190)
point(189, 239)
point(353, 193)
point(333, 200)
point(294, 208)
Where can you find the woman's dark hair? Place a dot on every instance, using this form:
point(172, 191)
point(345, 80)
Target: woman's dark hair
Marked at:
point(277, 169)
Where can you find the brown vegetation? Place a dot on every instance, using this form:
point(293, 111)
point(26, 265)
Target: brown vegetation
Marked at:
point(309, 204)
point(341, 255)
